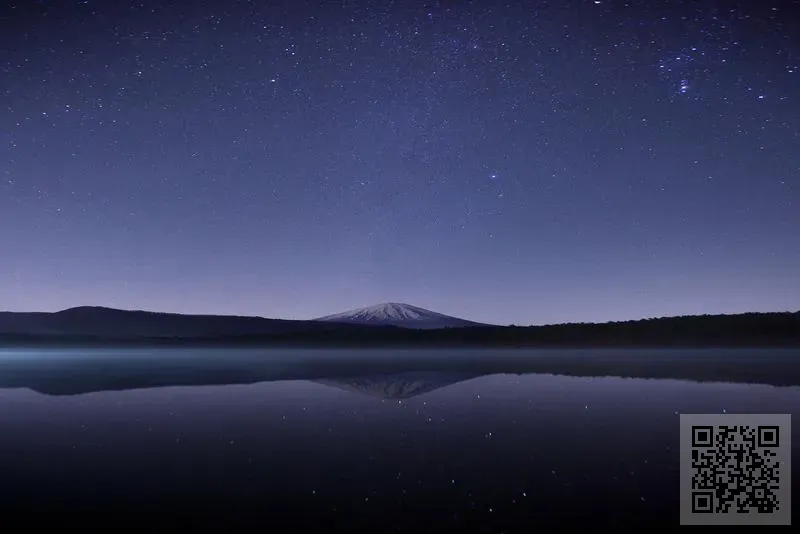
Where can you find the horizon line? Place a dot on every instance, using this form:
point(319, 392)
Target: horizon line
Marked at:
point(478, 323)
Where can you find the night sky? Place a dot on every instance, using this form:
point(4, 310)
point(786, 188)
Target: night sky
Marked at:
point(508, 162)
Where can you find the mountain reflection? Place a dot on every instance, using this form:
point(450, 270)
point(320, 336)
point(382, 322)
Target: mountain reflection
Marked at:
point(397, 385)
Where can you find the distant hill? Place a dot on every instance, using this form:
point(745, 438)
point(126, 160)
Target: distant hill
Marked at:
point(93, 325)
point(399, 314)
point(99, 322)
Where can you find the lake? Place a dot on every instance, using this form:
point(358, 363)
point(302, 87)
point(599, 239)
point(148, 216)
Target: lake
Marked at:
point(373, 440)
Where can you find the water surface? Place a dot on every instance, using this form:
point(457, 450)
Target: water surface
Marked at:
point(395, 441)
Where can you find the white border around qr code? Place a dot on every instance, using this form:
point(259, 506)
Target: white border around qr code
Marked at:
point(769, 436)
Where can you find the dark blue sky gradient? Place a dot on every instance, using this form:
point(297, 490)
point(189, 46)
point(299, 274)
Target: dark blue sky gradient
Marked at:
point(514, 162)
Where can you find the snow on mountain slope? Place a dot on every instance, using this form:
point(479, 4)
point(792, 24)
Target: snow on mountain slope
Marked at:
point(398, 314)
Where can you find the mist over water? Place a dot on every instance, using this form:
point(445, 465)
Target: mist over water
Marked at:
point(72, 371)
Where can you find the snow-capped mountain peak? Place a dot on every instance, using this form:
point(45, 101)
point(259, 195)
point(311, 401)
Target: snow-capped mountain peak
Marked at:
point(398, 314)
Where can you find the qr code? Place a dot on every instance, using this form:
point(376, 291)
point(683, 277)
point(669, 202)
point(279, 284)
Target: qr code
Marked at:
point(735, 469)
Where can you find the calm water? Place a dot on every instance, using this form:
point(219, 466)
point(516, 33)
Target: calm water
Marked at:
point(390, 441)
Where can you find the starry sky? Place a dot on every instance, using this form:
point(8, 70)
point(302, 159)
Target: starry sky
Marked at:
point(524, 162)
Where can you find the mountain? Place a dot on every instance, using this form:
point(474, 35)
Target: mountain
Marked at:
point(399, 314)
